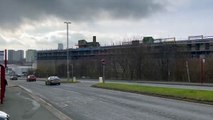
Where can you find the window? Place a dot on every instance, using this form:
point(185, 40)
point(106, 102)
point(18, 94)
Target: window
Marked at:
point(197, 47)
point(207, 46)
point(189, 46)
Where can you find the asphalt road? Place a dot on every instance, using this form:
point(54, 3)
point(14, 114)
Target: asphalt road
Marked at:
point(81, 102)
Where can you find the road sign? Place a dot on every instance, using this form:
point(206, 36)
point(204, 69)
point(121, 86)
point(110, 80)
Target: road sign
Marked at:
point(103, 62)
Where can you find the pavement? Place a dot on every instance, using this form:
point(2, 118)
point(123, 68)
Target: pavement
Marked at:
point(20, 105)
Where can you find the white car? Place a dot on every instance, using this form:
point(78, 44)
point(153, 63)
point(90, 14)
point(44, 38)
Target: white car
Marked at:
point(53, 80)
point(4, 116)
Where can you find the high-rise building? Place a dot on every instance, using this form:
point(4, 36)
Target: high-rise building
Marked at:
point(19, 56)
point(11, 56)
point(60, 46)
point(1, 56)
point(15, 56)
point(31, 56)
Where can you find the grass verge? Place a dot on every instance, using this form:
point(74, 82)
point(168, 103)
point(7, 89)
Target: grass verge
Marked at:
point(203, 96)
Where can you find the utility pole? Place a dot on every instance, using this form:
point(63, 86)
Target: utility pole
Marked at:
point(5, 58)
point(68, 71)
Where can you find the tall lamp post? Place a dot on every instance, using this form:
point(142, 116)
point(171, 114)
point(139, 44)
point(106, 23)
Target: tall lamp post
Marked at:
point(68, 71)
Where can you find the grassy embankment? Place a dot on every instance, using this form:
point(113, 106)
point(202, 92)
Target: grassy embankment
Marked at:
point(203, 96)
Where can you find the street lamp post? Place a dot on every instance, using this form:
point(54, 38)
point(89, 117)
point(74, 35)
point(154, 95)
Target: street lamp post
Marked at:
point(68, 71)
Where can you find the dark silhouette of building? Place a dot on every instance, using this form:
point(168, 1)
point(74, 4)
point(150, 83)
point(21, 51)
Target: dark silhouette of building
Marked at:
point(85, 44)
point(195, 48)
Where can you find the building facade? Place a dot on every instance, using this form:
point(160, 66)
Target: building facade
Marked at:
point(31, 56)
point(195, 48)
point(150, 59)
point(2, 56)
point(15, 56)
point(11, 56)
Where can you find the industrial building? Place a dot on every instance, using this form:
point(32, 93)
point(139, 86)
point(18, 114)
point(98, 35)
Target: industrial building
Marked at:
point(195, 48)
point(150, 59)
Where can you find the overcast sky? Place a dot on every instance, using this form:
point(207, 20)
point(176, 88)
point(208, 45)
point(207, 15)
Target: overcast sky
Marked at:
point(39, 24)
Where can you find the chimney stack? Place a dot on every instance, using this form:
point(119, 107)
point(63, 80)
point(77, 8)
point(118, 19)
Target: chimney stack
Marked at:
point(94, 39)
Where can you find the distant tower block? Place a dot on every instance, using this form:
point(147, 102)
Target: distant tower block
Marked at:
point(60, 46)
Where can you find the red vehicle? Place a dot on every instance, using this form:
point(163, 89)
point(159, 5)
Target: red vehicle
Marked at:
point(31, 78)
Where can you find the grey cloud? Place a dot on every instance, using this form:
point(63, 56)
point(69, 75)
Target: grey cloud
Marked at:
point(13, 12)
point(73, 39)
point(2, 41)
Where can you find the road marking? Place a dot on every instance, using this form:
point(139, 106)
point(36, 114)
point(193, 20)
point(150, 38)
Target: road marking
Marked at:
point(28, 90)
